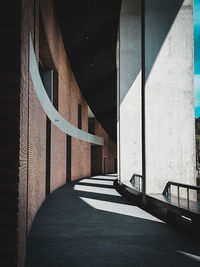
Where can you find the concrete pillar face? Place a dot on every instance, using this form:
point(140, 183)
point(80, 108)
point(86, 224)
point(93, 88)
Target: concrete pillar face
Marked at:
point(169, 93)
point(129, 92)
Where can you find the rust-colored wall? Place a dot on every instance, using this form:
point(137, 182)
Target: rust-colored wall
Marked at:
point(96, 160)
point(32, 132)
point(23, 135)
point(80, 164)
point(103, 159)
point(80, 150)
point(31, 138)
point(36, 155)
point(59, 62)
point(109, 151)
point(23, 160)
point(58, 158)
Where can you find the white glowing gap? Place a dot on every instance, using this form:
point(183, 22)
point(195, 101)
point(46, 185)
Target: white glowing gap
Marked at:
point(98, 190)
point(122, 209)
point(96, 181)
point(111, 177)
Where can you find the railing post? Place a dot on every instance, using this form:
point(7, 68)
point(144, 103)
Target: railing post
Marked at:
point(188, 198)
point(139, 182)
point(178, 189)
point(169, 190)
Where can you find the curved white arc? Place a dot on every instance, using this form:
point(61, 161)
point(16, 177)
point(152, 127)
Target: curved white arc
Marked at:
point(49, 109)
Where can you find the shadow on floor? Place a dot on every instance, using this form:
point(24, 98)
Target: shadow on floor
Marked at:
point(84, 224)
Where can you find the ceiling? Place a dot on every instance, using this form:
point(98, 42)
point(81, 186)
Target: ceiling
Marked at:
point(89, 31)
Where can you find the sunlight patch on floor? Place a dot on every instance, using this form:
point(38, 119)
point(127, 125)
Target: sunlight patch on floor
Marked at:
point(98, 190)
point(119, 208)
point(109, 177)
point(95, 181)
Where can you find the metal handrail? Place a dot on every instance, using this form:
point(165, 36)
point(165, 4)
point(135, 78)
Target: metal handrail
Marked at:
point(167, 190)
point(137, 181)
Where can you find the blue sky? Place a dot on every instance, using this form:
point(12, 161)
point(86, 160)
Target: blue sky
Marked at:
point(197, 56)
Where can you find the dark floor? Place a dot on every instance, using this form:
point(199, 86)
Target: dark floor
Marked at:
point(88, 224)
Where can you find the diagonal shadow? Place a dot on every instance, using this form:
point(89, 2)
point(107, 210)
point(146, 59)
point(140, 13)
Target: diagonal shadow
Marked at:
point(73, 228)
point(159, 18)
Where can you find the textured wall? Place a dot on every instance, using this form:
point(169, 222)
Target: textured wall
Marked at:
point(109, 150)
point(169, 92)
point(25, 149)
point(129, 91)
point(96, 160)
point(170, 126)
point(32, 132)
point(80, 150)
point(56, 58)
point(58, 158)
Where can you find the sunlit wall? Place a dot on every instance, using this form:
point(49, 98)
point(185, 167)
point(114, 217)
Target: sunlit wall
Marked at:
point(197, 56)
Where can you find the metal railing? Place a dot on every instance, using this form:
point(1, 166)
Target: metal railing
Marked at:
point(137, 182)
point(167, 190)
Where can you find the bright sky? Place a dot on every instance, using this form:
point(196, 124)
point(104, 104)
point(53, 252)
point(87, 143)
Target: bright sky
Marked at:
point(197, 56)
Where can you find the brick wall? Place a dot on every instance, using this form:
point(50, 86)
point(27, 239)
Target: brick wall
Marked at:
point(96, 160)
point(32, 132)
point(58, 158)
point(23, 135)
point(109, 152)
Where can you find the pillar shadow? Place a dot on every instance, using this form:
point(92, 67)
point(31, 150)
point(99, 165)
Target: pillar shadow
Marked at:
point(84, 228)
point(159, 18)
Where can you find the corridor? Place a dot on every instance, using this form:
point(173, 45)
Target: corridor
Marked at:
point(88, 224)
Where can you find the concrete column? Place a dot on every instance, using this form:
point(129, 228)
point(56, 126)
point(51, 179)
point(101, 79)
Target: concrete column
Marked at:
point(169, 93)
point(129, 90)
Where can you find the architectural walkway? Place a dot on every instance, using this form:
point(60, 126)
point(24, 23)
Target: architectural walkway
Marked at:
point(87, 223)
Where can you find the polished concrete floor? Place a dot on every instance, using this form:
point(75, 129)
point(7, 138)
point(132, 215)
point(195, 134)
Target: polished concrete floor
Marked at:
point(88, 224)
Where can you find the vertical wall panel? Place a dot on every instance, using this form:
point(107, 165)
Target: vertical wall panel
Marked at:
point(27, 150)
point(170, 135)
point(129, 104)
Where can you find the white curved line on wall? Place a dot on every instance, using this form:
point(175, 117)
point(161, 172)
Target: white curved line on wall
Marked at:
point(49, 109)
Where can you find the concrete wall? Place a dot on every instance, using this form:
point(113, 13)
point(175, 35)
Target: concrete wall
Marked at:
point(169, 93)
point(129, 90)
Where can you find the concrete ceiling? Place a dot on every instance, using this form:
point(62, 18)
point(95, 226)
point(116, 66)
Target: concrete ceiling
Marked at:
point(89, 31)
